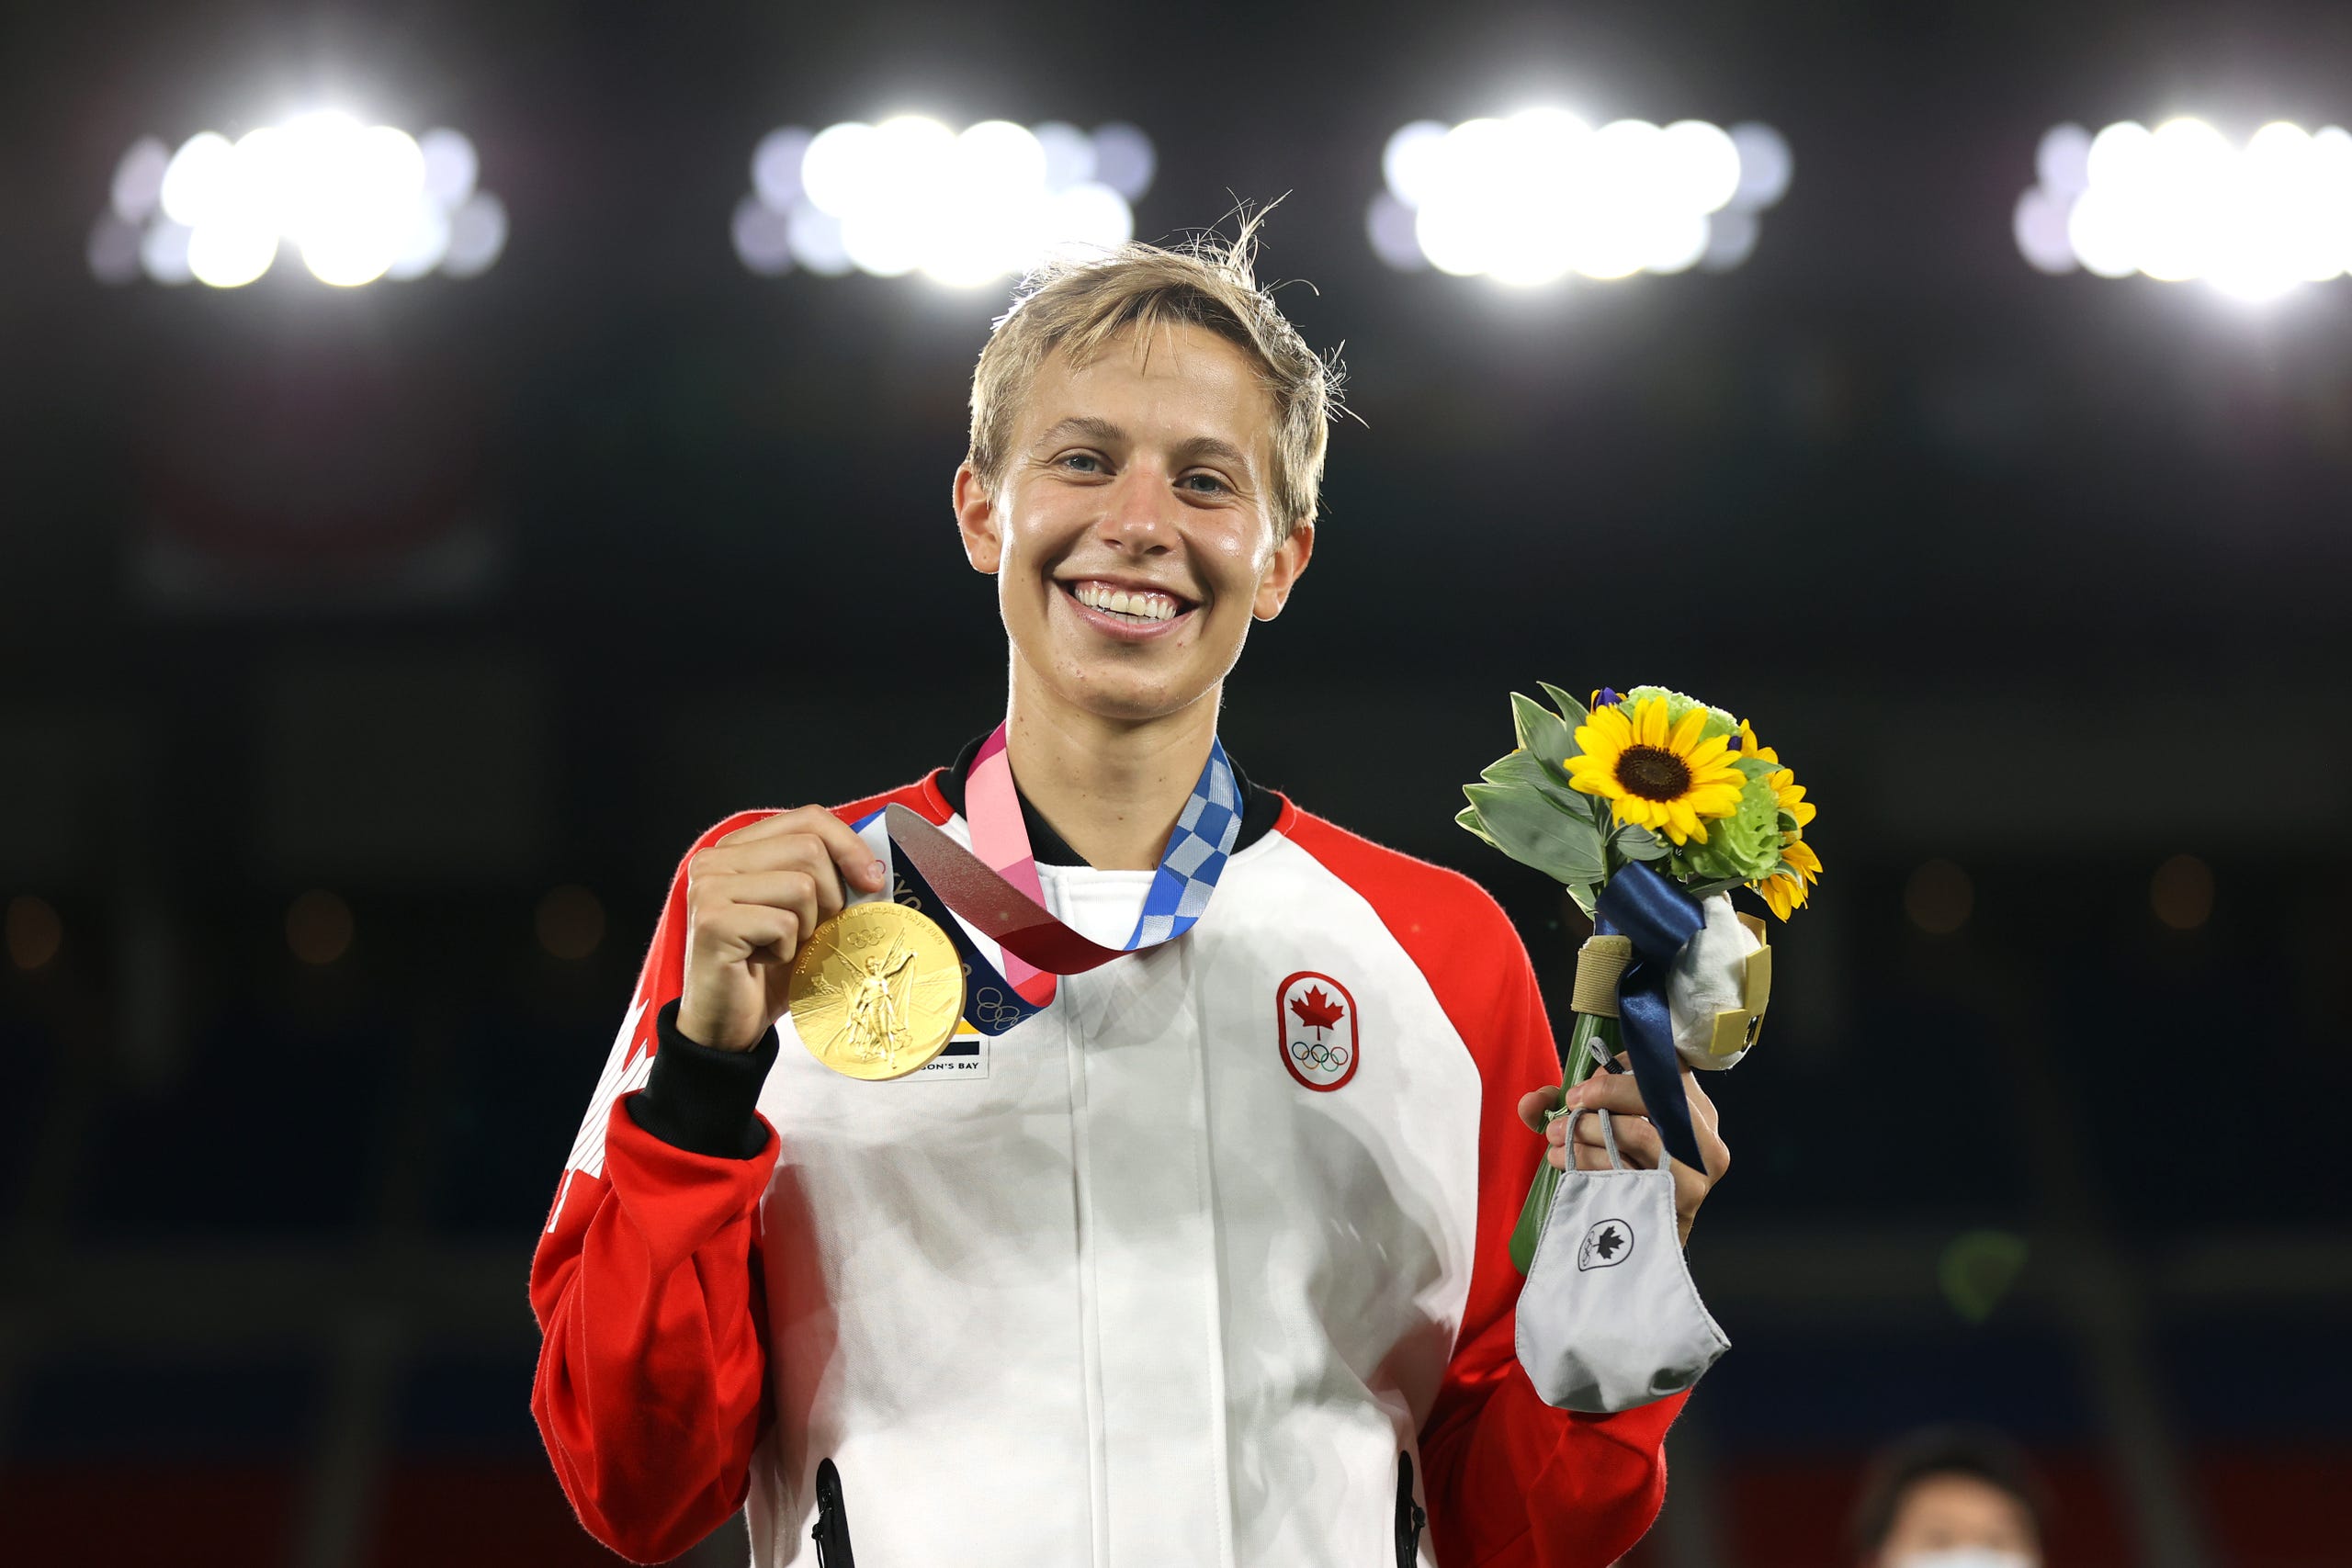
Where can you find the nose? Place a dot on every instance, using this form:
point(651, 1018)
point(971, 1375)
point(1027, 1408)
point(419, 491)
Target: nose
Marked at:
point(1140, 519)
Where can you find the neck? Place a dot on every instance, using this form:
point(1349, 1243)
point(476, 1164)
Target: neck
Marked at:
point(1113, 788)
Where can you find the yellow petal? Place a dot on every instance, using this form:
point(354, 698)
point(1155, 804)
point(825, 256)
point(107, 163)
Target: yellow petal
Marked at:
point(1686, 734)
point(1804, 811)
point(1709, 753)
point(1650, 723)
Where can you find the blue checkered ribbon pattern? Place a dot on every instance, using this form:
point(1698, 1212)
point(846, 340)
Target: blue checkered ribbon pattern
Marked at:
point(1195, 856)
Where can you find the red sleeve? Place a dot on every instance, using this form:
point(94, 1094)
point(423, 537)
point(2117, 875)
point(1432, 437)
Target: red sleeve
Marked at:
point(1511, 1482)
point(652, 1383)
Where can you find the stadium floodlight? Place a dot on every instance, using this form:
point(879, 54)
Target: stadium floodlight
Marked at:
point(356, 202)
point(1532, 198)
point(963, 207)
point(2179, 202)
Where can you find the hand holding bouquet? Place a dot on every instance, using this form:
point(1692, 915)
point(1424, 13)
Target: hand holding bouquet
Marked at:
point(1650, 807)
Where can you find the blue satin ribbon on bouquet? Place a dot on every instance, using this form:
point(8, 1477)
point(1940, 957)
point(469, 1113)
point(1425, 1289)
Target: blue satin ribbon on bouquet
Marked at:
point(1661, 919)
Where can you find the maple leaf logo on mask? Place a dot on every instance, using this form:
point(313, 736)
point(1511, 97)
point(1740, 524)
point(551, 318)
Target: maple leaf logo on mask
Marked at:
point(1317, 1009)
point(1606, 1243)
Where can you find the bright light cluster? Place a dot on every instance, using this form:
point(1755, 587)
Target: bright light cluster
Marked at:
point(2179, 202)
point(962, 208)
point(1529, 200)
point(357, 202)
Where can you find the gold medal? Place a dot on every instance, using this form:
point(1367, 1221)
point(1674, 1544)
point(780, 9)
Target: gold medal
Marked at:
point(875, 991)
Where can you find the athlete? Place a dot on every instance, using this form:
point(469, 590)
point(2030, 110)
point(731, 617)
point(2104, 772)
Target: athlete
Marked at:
point(1199, 1256)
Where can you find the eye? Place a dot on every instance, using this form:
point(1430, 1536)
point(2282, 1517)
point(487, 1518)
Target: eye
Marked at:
point(1080, 463)
point(1205, 484)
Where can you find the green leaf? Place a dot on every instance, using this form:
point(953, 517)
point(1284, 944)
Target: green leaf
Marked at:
point(1532, 831)
point(1468, 817)
point(1573, 711)
point(1583, 895)
point(1720, 885)
point(1524, 770)
point(1521, 768)
point(1542, 732)
point(1636, 843)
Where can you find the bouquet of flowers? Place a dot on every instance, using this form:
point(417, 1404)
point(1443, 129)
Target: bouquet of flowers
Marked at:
point(1645, 805)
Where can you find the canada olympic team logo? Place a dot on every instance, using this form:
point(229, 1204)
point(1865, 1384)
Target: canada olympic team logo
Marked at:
point(1315, 1024)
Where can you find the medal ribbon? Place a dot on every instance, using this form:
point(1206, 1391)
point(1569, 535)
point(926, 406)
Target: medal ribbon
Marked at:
point(1000, 838)
point(994, 885)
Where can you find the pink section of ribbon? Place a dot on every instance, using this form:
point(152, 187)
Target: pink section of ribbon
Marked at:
point(992, 806)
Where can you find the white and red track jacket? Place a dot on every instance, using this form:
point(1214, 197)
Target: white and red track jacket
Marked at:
point(1207, 1263)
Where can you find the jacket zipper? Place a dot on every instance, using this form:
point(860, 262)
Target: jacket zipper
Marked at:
point(831, 1534)
point(1410, 1516)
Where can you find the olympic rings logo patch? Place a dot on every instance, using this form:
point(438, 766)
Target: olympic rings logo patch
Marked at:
point(1315, 1028)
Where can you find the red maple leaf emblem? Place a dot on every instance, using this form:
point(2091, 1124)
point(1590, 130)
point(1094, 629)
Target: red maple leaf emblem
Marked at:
point(1317, 1011)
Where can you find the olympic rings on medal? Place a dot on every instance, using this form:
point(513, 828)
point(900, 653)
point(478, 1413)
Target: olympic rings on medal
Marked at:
point(992, 1012)
point(1319, 1055)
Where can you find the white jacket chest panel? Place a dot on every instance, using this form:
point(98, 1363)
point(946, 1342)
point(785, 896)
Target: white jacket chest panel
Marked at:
point(1139, 1296)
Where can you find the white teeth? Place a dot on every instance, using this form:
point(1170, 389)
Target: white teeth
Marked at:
point(1142, 607)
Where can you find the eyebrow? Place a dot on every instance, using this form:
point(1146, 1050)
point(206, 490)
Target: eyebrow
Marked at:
point(1096, 428)
point(1090, 425)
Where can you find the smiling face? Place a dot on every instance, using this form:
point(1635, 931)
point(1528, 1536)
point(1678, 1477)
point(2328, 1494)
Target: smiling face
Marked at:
point(1133, 536)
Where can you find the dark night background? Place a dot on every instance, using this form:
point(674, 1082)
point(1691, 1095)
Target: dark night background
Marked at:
point(468, 604)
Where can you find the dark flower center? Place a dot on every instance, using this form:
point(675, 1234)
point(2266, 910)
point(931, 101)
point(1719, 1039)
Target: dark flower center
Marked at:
point(1653, 773)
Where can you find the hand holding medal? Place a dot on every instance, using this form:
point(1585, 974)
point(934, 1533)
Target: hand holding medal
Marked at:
point(876, 987)
point(753, 898)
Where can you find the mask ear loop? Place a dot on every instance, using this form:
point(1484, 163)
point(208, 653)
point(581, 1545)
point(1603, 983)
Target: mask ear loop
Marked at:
point(1608, 1137)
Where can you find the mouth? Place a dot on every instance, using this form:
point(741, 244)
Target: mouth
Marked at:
point(1129, 608)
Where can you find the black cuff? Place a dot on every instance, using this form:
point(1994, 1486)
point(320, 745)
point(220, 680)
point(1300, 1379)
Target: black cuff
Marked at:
point(702, 1100)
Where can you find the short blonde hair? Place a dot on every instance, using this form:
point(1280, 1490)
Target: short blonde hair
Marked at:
point(1081, 306)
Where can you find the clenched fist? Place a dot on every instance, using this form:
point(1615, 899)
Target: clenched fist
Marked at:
point(751, 899)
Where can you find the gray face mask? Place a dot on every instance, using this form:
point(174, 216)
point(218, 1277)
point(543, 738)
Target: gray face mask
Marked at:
point(1608, 1317)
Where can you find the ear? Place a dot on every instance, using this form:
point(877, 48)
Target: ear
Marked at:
point(976, 519)
point(1290, 559)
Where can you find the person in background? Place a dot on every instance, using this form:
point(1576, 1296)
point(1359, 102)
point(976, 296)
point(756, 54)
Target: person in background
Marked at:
point(1951, 1497)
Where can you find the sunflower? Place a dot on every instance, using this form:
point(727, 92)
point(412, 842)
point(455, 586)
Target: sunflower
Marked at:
point(1782, 894)
point(1652, 777)
point(1800, 868)
point(1790, 794)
